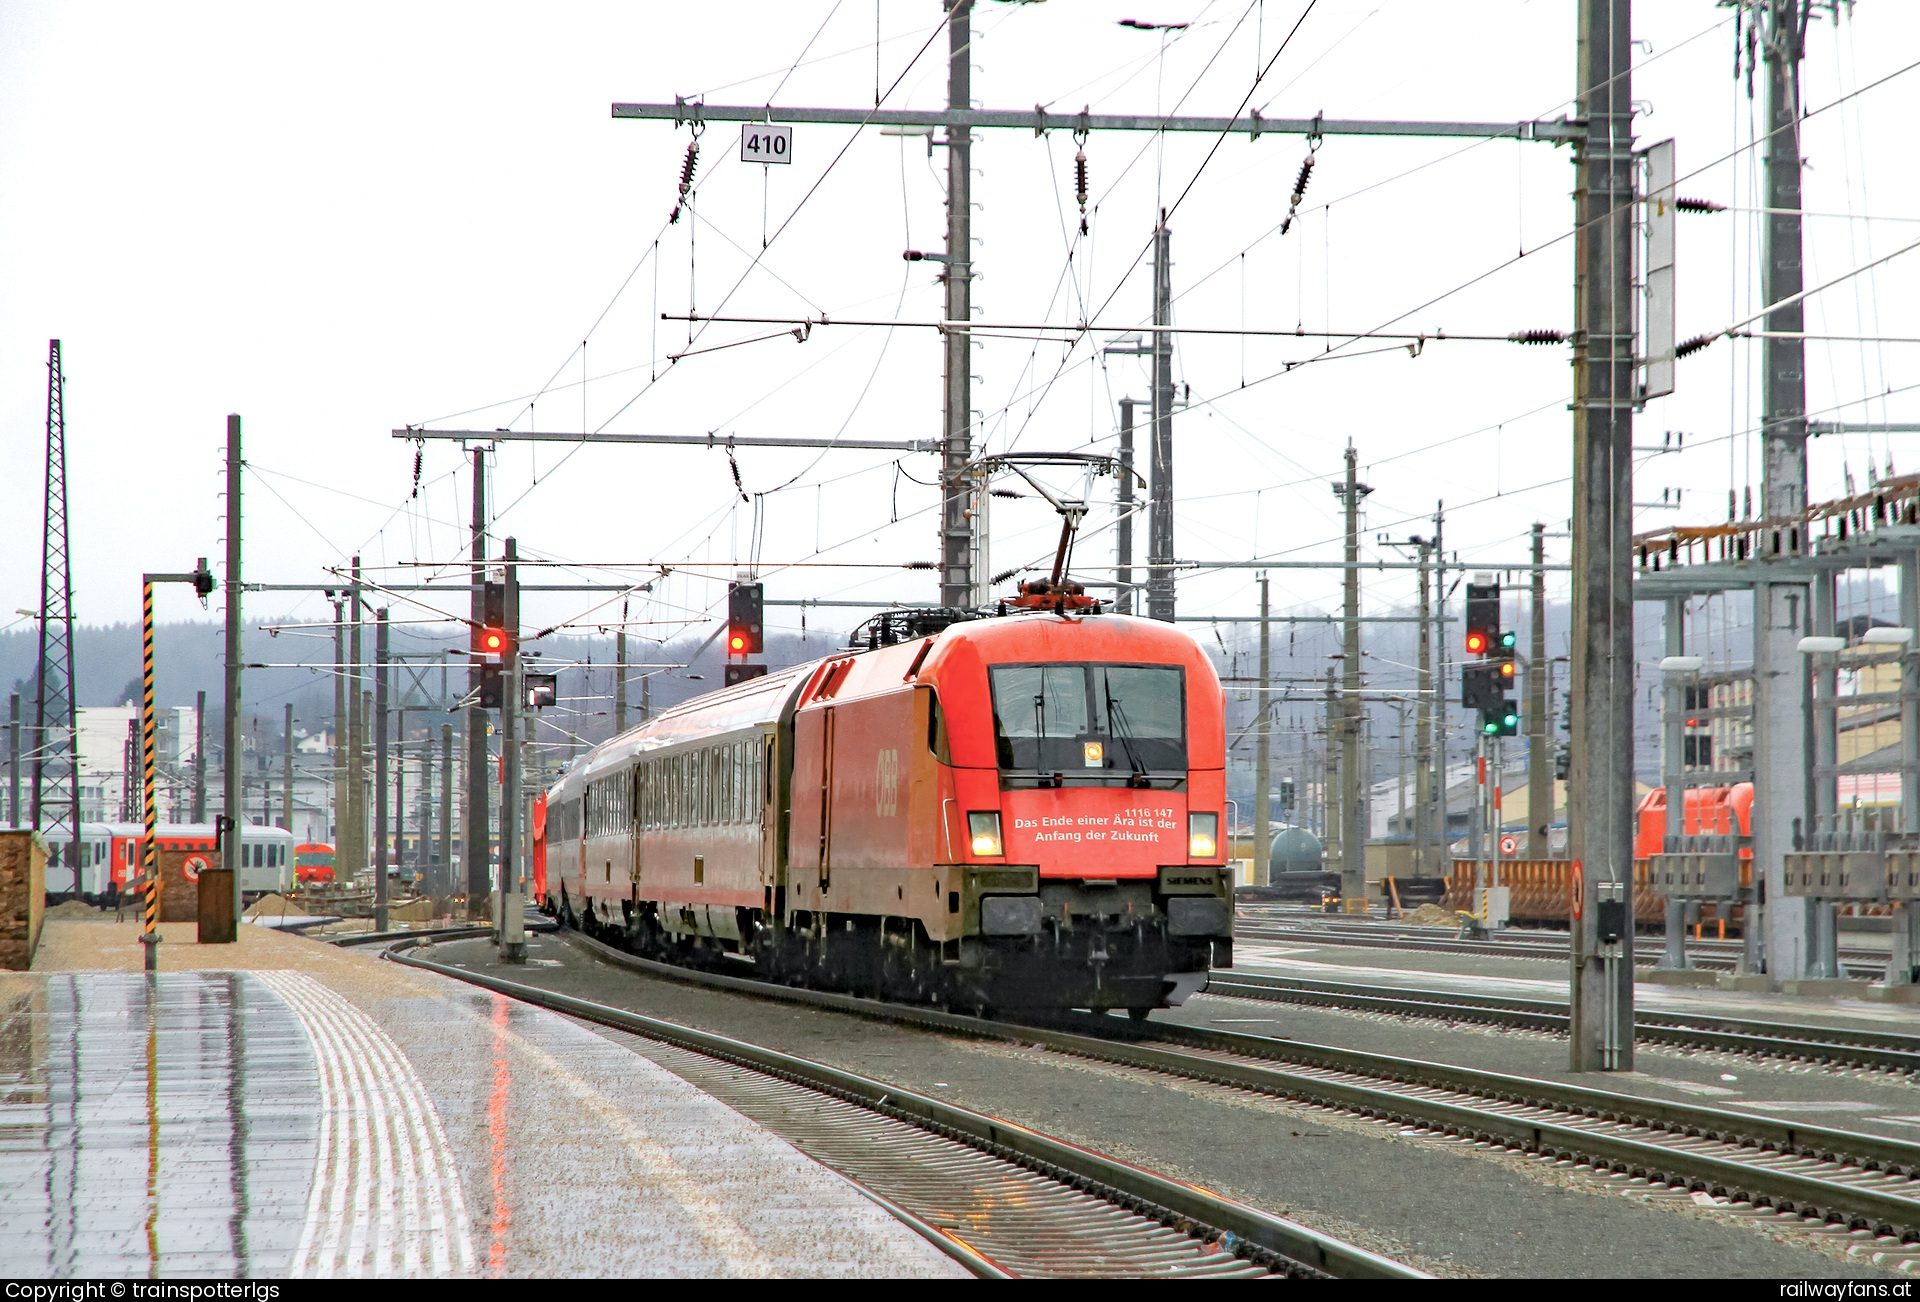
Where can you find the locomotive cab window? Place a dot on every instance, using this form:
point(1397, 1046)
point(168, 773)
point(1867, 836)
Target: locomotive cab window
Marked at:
point(1090, 720)
point(936, 727)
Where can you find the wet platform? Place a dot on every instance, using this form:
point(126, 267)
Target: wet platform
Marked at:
point(281, 1107)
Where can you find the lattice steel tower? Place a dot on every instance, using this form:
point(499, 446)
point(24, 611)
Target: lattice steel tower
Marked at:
point(56, 759)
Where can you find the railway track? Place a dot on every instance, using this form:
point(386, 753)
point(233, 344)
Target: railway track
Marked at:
point(1796, 1042)
point(1002, 1200)
point(1860, 1181)
point(1709, 956)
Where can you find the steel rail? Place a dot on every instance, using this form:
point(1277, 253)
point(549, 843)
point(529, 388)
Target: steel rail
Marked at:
point(1829, 1045)
point(1859, 1178)
point(1862, 963)
point(431, 933)
point(1270, 1241)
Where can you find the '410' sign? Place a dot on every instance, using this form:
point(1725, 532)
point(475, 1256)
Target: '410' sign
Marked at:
point(760, 143)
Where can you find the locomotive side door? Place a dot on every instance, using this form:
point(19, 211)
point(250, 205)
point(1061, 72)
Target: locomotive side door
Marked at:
point(826, 799)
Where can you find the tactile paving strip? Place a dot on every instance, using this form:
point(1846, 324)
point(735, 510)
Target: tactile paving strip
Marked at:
point(385, 1197)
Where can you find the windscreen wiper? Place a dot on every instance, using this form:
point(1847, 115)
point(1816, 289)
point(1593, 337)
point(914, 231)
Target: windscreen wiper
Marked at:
point(1123, 732)
point(1040, 733)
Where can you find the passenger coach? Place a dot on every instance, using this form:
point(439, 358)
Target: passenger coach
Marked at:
point(1014, 812)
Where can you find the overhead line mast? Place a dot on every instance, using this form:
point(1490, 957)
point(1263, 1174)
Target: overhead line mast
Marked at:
point(958, 488)
point(56, 741)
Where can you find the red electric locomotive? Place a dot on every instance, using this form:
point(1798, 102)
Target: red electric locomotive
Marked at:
point(1021, 812)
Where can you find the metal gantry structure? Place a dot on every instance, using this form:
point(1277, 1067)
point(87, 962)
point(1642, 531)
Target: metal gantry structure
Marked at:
point(1807, 853)
point(963, 493)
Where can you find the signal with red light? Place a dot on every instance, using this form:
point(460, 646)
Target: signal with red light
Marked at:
point(745, 604)
point(1483, 617)
point(492, 646)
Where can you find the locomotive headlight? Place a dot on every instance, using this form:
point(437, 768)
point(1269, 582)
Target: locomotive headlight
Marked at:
point(1203, 831)
point(983, 830)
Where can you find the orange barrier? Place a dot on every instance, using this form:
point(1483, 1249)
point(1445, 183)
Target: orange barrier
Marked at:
point(1538, 889)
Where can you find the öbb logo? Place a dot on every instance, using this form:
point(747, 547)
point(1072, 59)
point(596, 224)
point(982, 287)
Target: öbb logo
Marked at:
point(886, 789)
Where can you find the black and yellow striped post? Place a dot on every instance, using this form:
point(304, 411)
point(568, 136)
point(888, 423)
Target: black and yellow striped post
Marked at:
point(202, 580)
point(149, 853)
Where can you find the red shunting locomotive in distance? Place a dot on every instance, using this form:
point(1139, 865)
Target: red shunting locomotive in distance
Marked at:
point(1015, 812)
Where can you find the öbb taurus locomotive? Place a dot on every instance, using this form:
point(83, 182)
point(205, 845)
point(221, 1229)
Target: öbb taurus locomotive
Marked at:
point(1022, 812)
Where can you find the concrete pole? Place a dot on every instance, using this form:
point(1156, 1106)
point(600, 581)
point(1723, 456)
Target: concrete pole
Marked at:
point(442, 876)
point(1353, 804)
point(1910, 695)
point(1823, 758)
point(286, 769)
point(1401, 754)
point(475, 818)
point(511, 930)
point(366, 792)
point(1425, 852)
point(1539, 725)
point(1673, 719)
point(232, 795)
point(1437, 743)
point(351, 854)
point(339, 723)
point(1601, 787)
point(1123, 522)
point(380, 770)
point(1263, 754)
point(1160, 478)
point(1779, 608)
point(13, 760)
point(620, 676)
point(422, 805)
point(398, 744)
point(1333, 820)
point(956, 518)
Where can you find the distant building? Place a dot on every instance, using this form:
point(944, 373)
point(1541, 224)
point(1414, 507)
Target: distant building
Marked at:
point(109, 787)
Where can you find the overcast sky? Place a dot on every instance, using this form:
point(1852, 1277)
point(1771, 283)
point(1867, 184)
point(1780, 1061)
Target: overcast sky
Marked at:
point(337, 221)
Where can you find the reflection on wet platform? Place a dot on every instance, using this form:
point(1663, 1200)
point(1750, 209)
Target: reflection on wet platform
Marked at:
point(152, 1126)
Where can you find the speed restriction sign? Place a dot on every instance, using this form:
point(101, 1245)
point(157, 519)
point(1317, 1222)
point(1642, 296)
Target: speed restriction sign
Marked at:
point(762, 143)
point(1509, 844)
